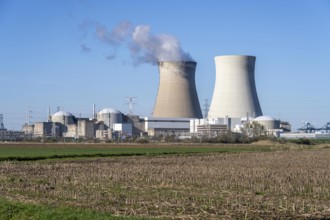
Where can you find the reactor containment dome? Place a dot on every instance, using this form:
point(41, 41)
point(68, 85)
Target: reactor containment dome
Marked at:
point(235, 93)
point(63, 117)
point(109, 116)
point(268, 122)
point(177, 96)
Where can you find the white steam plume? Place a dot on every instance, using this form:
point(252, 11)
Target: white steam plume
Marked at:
point(144, 46)
point(113, 38)
point(148, 48)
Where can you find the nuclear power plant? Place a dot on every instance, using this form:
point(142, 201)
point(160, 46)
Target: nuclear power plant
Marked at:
point(177, 110)
point(235, 93)
point(177, 95)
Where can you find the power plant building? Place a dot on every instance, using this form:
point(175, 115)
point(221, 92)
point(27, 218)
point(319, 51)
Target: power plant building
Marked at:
point(177, 109)
point(235, 93)
point(179, 127)
point(210, 128)
point(63, 117)
point(177, 96)
point(47, 129)
point(109, 117)
point(84, 128)
point(267, 122)
point(65, 124)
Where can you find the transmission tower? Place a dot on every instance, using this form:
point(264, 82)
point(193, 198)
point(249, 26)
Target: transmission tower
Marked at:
point(2, 127)
point(206, 107)
point(130, 102)
point(28, 119)
point(151, 112)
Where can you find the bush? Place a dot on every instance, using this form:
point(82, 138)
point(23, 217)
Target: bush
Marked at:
point(142, 141)
point(170, 138)
point(304, 141)
point(195, 139)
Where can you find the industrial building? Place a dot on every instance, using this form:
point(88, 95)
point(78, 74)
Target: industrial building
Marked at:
point(63, 117)
point(207, 128)
point(62, 124)
point(179, 127)
point(107, 124)
point(138, 125)
point(8, 135)
point(268, 122)
point(214, 127)
point(109, 117)
point(292, 135)
point(105, 120)
point(46, 129)
point(270, 125)
point(83, 128)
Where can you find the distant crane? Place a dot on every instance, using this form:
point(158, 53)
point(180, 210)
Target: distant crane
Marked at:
point(307, 127)
point(325, 128)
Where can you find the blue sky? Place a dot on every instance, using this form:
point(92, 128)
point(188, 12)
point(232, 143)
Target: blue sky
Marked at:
point(42, 62)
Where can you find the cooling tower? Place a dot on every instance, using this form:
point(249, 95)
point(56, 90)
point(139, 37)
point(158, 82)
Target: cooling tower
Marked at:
point(177, 95)
point(235, 93)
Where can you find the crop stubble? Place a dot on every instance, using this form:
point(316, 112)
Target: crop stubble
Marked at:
point(288, 184)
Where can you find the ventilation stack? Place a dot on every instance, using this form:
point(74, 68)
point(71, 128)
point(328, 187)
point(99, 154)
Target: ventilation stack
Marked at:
point(2, 127)
point(177, 96)
point(235, 93)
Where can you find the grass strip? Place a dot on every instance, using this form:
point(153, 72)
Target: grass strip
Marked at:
point(131, 152)
point(17, 210)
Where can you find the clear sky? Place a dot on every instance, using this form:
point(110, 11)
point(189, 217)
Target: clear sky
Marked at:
point(48, 59)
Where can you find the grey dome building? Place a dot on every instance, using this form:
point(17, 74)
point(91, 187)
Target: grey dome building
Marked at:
point(267, 122)
point(63, 117)
point(109, 116)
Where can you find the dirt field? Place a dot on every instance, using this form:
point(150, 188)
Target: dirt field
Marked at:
point(254, 185)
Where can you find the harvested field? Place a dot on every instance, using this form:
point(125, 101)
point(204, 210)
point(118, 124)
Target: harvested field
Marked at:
point(255, 185)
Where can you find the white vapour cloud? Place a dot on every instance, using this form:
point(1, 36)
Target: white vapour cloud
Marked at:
point(148, 48)
point(144, 46)
point(116, 36)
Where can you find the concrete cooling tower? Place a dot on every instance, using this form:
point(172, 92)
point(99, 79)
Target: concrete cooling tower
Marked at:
point(177, 96)
point(235, 93)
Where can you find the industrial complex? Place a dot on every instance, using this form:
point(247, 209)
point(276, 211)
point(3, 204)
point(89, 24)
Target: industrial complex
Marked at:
point(177, 112)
